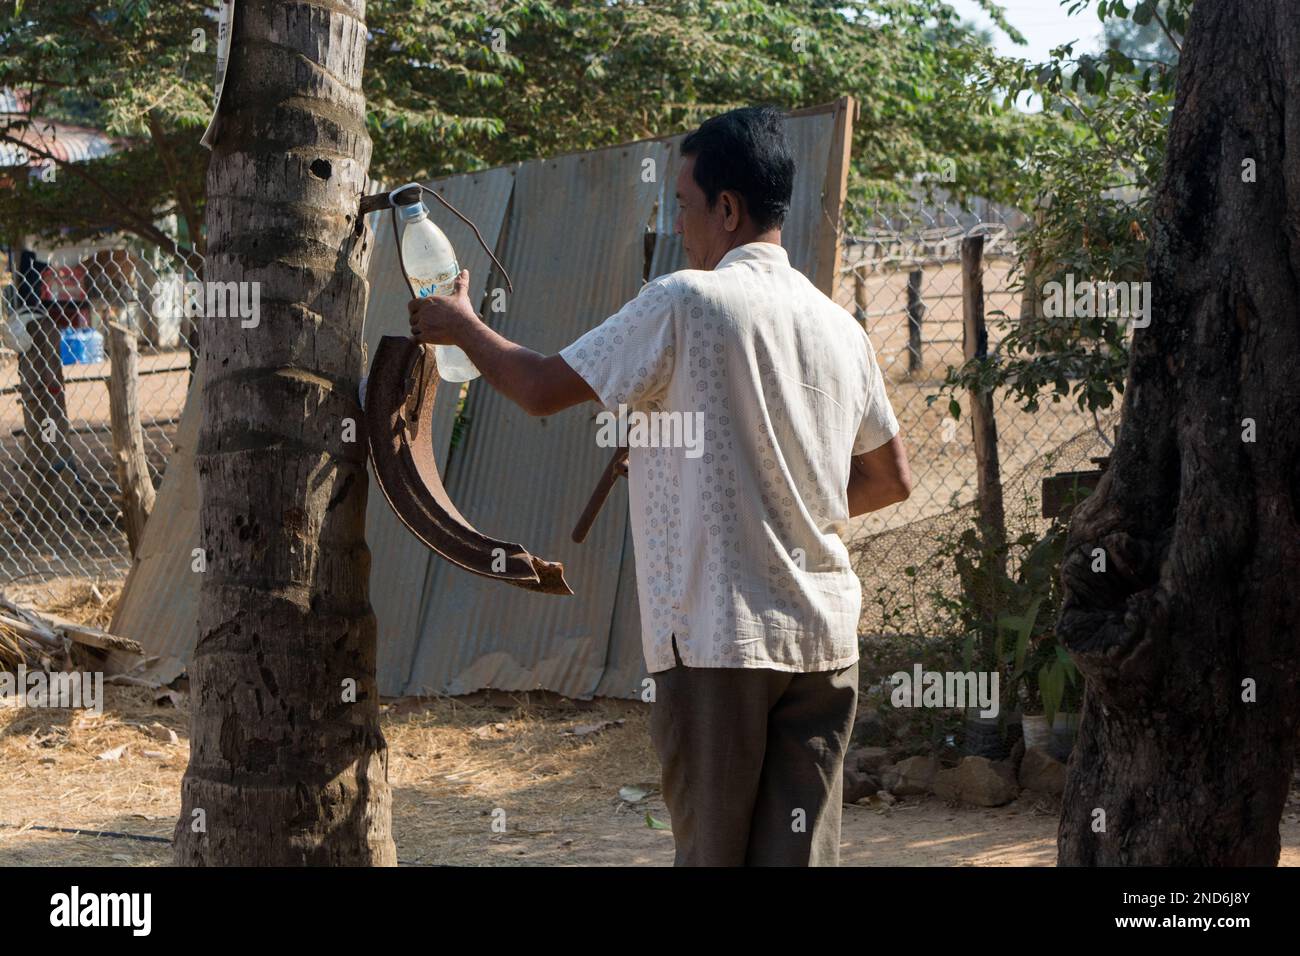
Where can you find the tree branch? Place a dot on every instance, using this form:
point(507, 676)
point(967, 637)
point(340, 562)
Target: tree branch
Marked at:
point(141, 226)
point(1120, 161)
point(1155, 12)
point(183, 197)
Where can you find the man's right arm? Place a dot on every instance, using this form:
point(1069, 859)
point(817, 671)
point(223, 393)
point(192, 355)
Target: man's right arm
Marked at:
point(879, 478)
point(539, 384)
point(627, 358)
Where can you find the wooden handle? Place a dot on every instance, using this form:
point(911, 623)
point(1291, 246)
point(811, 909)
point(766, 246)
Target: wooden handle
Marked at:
point(603, 488)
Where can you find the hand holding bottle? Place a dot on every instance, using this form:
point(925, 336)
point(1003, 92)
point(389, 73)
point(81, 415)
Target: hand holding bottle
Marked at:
point(437, 319)
point(433, 273)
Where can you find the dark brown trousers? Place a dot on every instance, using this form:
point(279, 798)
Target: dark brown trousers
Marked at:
point(753, 762)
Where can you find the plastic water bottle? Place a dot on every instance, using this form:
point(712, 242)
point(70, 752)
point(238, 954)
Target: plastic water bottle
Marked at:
point(431, 269)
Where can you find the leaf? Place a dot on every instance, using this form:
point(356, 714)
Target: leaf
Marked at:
point(1096, 82)
point(1022, 637)
point(1119, 60)
point(134, 10)
point(1051, 685)
point(654, 824)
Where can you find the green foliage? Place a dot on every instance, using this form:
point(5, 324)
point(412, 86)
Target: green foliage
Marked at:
point(454, 85)
point(128, 68)
point(1008, 619)
point(1090, 184)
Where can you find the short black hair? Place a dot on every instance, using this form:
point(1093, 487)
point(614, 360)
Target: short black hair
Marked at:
point(745, 151)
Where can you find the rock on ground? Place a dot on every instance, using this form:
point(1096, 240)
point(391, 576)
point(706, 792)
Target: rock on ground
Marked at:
point(911, 777)
point(979, 781)
point(1042, 773)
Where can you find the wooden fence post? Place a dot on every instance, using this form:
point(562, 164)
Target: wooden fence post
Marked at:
point(128, 435)
point(915, 315)
point(975, 344)
point(860, 297)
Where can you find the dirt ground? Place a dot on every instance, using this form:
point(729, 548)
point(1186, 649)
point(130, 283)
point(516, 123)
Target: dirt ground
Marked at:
point(453, 764)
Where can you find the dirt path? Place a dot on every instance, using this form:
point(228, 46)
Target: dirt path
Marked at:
point(541, 772)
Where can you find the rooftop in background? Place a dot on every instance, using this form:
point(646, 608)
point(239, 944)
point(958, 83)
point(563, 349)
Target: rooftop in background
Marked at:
point(13, 101)
point(65, 142)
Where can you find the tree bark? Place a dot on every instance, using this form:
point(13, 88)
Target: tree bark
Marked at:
point(284, 769)
point(50, 492)
point(1198, 526)
point(133, 479)
point(983, 418)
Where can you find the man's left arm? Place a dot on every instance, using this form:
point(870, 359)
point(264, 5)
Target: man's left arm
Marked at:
point(879, 474)
point(879, 478)
point(539, 384)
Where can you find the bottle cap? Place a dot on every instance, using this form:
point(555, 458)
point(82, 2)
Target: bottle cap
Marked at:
point(414, 212)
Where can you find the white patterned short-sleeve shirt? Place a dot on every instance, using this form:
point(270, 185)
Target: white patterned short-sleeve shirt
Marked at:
point(737, 513)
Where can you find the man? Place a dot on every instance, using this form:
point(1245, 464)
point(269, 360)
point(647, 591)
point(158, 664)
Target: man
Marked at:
point(749, 606)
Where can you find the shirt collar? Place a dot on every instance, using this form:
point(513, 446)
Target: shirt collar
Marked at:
point(760, 251)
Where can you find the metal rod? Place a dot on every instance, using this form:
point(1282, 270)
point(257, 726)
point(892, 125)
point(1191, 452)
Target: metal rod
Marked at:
point(378, 201)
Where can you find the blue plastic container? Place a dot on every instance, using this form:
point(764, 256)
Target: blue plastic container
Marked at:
point(81, 346)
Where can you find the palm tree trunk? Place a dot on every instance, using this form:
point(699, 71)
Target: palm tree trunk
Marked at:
point(287, 766)
point(1189, 636)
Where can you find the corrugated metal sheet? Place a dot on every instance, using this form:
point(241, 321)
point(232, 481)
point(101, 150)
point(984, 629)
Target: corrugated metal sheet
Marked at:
point(159, 603)
point(625, 662)
point(809, 136)
point(399, 563)
point(13, 101)
point(575, 250)
point(573, 244)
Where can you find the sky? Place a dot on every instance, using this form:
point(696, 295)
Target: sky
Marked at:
point(1044, 23)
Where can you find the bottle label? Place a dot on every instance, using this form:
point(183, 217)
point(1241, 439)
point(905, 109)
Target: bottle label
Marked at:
point(443, 284)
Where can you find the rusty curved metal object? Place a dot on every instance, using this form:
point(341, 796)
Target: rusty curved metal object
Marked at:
point(399, 418)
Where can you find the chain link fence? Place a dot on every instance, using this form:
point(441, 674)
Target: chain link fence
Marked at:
point(901, 275)
point(61, 500)
point(63, 524)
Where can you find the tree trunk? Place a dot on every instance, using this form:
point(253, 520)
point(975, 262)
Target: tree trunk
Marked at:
point(132, 464)
point(50, 492)
point(1197, 602)
point(284, 768)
